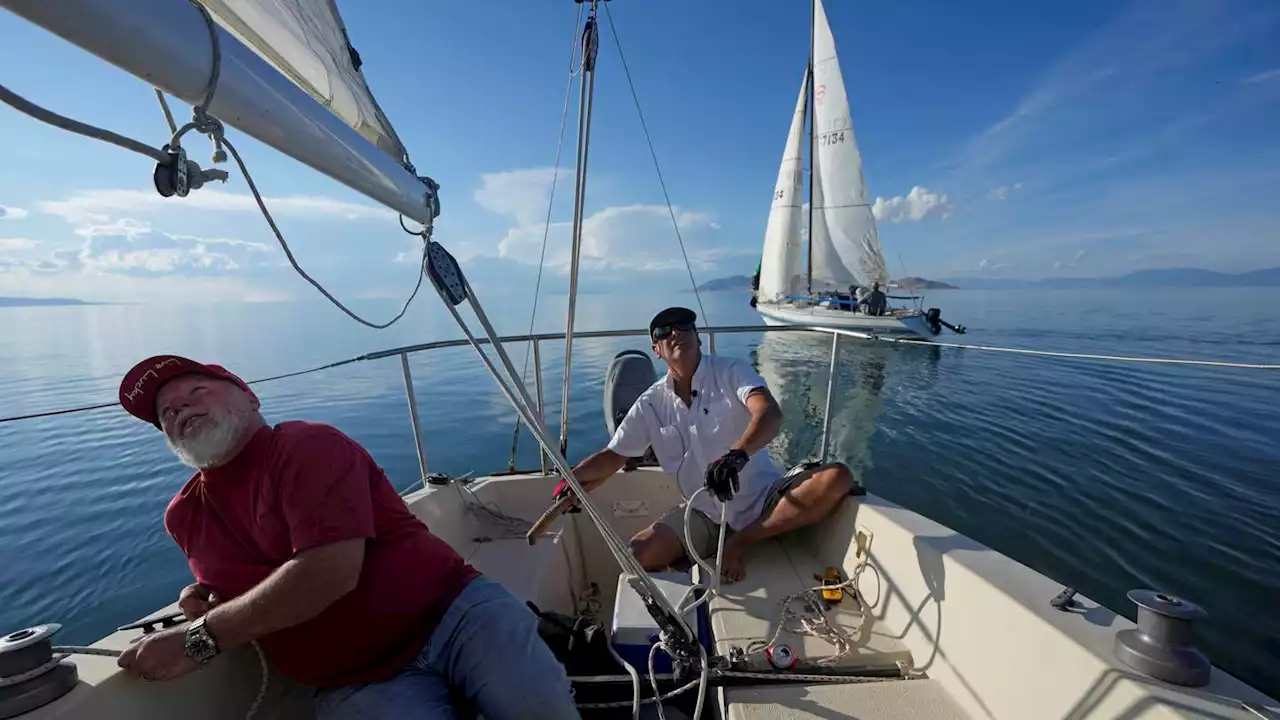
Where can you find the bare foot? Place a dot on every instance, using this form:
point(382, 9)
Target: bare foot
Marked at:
point(733, 564)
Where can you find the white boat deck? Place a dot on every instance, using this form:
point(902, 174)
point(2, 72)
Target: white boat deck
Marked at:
point(748, 611)
point(906, 700)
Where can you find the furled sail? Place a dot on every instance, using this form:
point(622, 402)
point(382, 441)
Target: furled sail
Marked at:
point(781, 274)
point(846, 246)
point(306, 42)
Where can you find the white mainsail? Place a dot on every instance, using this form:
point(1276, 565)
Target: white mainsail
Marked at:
point(306, 42)
point(781, 274)
point(846, 247)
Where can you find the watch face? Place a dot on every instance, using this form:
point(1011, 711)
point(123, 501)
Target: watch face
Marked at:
point(199, 646)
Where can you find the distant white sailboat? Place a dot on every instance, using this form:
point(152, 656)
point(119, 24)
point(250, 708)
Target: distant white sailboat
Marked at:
point(844, 251)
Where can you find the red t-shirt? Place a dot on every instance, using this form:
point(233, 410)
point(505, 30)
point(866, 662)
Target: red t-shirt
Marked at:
point(297, 486)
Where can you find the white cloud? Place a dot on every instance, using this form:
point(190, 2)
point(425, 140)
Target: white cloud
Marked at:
point(619, 237)
point(1265, 75)
point(106, 227)
point(988, 266)
point(97, 205)
point(916, 205)
point(12, 213)
point(1004, 191)
point(131, 247)
point(248, 245)
point(520, 194)
point(17, 243)
point(630, 237)
point(1079, 255)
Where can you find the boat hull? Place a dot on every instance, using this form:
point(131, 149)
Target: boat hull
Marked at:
point(908, 324)
point(977, 622)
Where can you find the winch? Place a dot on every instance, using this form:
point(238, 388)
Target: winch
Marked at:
point(31, 675)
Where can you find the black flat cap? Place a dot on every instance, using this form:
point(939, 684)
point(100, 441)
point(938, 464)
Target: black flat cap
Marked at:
point(672, 316)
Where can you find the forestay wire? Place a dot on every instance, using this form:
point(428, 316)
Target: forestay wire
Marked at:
point(675, 224)
point(546, 225)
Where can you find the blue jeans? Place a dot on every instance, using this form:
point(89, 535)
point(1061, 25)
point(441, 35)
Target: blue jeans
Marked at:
point(485, 656)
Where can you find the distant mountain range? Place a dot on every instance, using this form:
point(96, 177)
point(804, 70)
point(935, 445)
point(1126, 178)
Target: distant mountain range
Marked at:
point(1172, 277)
point(29, 301)
point(743, 282)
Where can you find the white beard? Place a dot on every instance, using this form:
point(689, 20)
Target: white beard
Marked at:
point(212, 445)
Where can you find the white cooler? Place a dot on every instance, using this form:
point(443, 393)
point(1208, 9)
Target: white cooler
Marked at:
point(634, 632)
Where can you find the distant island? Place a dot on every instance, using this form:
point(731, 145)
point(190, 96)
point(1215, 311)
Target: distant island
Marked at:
point(1164, 277)
point(919, 283)
point(733, 282)
point(40, 302)
point(743, 282)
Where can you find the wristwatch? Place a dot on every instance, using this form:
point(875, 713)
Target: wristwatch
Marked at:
point(200, 645)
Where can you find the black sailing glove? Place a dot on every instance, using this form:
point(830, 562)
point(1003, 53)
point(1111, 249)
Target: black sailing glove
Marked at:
point(722, 474)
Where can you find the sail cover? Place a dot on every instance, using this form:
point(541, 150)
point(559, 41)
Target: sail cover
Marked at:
point(306, 42)
point(780, 272)
point(846, 246)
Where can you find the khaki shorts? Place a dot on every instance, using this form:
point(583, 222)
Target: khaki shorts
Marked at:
point(705, 532)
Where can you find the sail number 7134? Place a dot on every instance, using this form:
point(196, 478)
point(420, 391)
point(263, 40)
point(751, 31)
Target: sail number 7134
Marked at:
point(831, 138)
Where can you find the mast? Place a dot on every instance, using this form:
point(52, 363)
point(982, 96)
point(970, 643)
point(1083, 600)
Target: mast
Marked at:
point(813, 119)
point(586, 93)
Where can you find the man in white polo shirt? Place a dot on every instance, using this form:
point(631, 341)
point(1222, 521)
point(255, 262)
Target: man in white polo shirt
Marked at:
point(708, 421)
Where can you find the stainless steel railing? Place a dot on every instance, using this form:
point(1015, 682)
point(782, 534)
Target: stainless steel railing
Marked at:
point(538, 338)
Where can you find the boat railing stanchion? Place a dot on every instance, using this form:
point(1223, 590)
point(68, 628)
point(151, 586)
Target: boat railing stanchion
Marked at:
point(537, 388)
point(711, 340)
point(413, 417)
point(831, 392)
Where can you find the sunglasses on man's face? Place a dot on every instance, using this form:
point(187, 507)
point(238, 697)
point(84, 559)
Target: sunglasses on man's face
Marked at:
point(662, 332)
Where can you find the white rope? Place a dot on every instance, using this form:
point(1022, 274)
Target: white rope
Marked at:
point(816, 622)
point(645, 701)
point(1052, 353)
point(653, 677)
point(635, 681)
point(714, 586)
point(508, 526)
point(61, 652)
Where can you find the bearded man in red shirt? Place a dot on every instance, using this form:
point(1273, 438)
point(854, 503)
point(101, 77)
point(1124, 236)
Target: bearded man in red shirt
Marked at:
point(297, 541)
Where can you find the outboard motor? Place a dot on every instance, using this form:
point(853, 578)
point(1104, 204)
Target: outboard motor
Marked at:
point(630, 374)
point(934, 318)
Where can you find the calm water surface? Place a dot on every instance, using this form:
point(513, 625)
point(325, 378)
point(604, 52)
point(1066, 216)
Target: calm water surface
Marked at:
point(1105, 477)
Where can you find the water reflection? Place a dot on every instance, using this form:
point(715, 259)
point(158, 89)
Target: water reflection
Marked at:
point(796, 367)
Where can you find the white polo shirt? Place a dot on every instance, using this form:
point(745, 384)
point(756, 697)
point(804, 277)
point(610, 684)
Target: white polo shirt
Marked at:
point(687, 439)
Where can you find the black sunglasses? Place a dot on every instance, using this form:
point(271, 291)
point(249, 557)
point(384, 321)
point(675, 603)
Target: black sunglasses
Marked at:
point(664, 331)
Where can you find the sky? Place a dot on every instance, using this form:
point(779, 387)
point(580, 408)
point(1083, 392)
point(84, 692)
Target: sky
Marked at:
point(999, 139)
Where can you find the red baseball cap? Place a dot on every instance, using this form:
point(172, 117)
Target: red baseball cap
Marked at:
point(140, 385)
